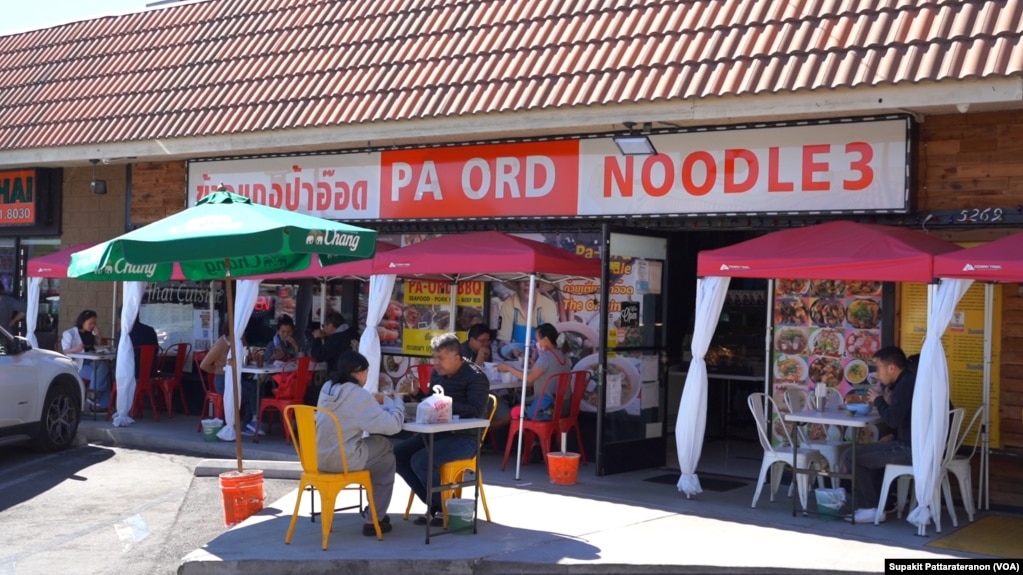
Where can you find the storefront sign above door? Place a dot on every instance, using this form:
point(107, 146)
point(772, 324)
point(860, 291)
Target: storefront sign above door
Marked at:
point(843, 166)
point(17, 198)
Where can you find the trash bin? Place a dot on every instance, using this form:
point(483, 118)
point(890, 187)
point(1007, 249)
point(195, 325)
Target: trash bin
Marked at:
point(460, 514)
point(830, 501)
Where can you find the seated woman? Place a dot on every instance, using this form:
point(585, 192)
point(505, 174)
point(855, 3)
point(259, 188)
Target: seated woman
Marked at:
point(551, 359)
point(83, 337)
point(215, 362)
point(360, 412)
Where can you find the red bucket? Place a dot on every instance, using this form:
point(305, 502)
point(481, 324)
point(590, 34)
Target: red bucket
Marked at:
point(243, 495)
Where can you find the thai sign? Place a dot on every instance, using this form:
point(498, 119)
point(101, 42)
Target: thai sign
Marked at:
point(17, 197)
point(850, 166)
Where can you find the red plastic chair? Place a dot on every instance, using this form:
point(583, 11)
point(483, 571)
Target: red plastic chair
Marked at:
point(570, 387)
point(143, 386)
point(211, 396)
point(423, 372)
point(296, 397)
point(166, 383)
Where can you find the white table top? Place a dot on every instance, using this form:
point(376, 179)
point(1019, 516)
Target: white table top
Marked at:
point(496, 385)
point(271, 368)
point(842, 418)
point(473, 423)
point(94, 355)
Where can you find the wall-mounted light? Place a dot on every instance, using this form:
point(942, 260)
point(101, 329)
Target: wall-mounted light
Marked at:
point(635, 143)
point(98, 186)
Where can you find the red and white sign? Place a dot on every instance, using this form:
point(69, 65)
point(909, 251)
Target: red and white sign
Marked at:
point(850, 166)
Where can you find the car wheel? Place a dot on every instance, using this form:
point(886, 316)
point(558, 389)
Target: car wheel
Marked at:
point(61, 414)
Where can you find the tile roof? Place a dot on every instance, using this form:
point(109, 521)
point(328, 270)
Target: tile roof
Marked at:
point(235, 66)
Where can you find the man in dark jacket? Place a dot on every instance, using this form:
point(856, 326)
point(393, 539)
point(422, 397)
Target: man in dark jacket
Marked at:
point(332, 340)
point(142, 334)
point(894, 404)
point(468, 387)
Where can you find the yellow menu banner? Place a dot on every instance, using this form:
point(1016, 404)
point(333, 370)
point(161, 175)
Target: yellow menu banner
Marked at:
point(963, 342)
point(427, 312)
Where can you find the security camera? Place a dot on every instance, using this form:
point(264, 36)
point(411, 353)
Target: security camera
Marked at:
point(106, 161)
point(98, 187)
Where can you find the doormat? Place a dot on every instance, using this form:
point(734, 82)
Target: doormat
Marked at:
point(706, 482)
point(993, 535)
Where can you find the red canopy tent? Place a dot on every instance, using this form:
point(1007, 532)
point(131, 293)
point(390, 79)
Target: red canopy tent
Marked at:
point(461, 256)
point(495, 255)
point(997, 261)
point(836, 250)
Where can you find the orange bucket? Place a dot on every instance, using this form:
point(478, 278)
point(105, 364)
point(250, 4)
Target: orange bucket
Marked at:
point(563, 468)
point(243, 495)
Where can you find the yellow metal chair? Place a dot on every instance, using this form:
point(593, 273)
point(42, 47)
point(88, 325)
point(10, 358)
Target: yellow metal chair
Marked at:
point(454, 472)
point(303, 433)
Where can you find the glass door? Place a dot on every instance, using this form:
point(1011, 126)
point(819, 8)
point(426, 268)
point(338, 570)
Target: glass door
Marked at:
point(631, 417)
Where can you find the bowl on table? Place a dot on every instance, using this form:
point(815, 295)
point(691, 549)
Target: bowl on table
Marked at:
point(857, 408)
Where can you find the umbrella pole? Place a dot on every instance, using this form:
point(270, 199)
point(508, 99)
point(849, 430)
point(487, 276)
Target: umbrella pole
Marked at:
point(525, 372)
point(228, 282)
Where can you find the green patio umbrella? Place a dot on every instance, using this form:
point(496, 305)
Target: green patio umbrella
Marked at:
point(224, 236)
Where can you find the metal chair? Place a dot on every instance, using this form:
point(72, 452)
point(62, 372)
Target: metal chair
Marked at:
point(424, 371)
point(212, 402)
point(904, 474)
point(562, 419)
point(960, 467)
point(302, 377)
point(143, 385)
point(166, 383)
point(795, 399)
point(303, 430)
point(761, 405)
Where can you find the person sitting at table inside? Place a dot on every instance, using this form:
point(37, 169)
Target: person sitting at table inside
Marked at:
point(333, 339)
point(283, 346)
point(477, 347)
point(551, 359)
point(360, 413)
point(83, 338)
point(468, 388)
point(215, 362)
point(894, 404)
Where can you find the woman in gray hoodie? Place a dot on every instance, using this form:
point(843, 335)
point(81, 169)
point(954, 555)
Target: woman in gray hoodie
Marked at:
point(360, 411)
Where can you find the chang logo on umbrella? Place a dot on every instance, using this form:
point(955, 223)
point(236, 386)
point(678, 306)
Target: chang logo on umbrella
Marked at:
point(121, 266)
point(332, 238)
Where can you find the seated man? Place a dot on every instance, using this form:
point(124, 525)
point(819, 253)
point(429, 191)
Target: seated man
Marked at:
point(142, 334)
point(477, 348)
point(468, 388)
point(894, 404)
point(335, 338)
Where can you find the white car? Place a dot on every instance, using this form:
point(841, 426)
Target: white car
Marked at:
point(41, 395)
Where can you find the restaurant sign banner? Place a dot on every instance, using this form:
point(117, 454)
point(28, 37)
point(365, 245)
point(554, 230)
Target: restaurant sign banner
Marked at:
point(17, 198)
point(846, 166)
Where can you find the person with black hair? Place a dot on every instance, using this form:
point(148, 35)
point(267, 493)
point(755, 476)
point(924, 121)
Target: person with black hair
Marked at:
point(894, 404)
point(360, 413)
point(333, 339)
point(83, 337)
point(477, 347)
point(469, 390)
point(283, 346)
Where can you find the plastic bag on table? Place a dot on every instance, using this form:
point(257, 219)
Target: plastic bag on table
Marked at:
point(434, 409)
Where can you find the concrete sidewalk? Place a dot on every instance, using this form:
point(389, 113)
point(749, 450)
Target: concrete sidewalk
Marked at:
point(616, 524)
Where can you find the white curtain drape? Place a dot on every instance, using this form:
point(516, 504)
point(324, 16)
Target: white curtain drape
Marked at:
point(244, 300)
point(692, 411)
point(380, 288)
point(930, 401)
point(125, 370)
point(32, 310)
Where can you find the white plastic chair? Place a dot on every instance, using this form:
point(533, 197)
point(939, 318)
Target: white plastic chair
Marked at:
point(795, 398)
point(761, 405)
point(959, 465)
point(904, 473)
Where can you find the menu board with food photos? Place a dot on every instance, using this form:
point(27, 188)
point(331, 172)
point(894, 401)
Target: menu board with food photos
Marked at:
point(825, 331)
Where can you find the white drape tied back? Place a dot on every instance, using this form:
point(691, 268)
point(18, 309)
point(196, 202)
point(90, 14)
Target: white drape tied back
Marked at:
point(244, 300)
point(380, 288)
point(125, 370)
point(692, 411)
point(930, 401)
point(32, 310)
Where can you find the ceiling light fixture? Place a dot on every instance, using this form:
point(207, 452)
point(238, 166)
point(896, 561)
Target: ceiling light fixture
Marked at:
point(635, 143)
point(98, 186)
